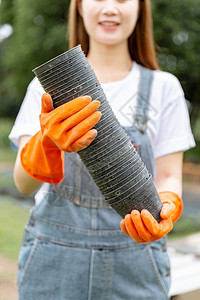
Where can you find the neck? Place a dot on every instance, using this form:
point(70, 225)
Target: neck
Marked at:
point(110, 63)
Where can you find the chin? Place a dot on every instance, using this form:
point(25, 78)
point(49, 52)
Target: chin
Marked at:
point(110, 42)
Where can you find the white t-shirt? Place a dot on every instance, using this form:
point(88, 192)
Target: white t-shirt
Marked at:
point(168, 126)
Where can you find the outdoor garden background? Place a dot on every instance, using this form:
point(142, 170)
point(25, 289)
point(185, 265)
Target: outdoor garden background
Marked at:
point(33, 31)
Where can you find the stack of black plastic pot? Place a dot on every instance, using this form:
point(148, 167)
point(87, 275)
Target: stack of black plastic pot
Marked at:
point(111, 159)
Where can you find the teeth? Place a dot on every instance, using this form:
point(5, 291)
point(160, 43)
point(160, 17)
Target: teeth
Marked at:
point(108, 23)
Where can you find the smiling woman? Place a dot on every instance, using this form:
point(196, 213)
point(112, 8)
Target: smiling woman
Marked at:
point(75, 245)
point(140, 41)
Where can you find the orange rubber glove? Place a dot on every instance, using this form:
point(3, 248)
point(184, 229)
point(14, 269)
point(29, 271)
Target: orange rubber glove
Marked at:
point(66, 128)
point(142, 227)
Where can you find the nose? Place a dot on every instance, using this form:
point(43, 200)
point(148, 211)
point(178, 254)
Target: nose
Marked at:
point(109, 7)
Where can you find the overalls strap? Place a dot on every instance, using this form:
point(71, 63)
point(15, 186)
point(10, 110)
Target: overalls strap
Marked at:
point(142, 107)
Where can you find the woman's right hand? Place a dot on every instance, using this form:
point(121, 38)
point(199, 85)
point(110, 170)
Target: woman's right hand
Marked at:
point(67, 128)
point(142, 227)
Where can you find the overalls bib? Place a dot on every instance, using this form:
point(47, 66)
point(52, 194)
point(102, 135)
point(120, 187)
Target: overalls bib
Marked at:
point(73, 247)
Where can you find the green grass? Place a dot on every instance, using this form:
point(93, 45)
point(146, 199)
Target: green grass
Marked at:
point(12, 220)
point(185, 226)
point(6, 125)
point(6, 181)
point(7, 156)
point(7, 185)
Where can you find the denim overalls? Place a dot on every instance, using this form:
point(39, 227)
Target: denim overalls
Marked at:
point(73, 246)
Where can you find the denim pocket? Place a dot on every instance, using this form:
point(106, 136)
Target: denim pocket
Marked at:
point(161, 266)
point(26, 254)
point(54, 271)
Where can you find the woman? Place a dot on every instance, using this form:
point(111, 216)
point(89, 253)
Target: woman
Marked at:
point(73, 246)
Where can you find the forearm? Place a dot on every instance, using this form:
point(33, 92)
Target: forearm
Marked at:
point(169, 183)
point(24, 183)
point(169, 173)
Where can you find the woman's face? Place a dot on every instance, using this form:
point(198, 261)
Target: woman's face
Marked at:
point(109, 22)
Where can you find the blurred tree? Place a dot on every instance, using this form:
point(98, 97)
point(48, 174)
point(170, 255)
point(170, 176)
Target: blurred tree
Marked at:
point(7, 11)
point(177, 31)
point(39, 33)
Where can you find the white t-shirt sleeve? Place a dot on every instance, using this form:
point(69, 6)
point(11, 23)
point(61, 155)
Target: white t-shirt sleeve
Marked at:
point(27, 121)
point(173, 128)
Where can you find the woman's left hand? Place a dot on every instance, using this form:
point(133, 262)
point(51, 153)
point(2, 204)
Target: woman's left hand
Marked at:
point(142, 227)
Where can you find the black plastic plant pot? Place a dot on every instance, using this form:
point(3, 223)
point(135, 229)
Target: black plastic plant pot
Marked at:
point(130, 183)
point(111, 159)
point(108, 129)
point(133, 191)
point(67, 75)
point(110, 171)
point(60, 92)
point(109, 151)
point(109, 132)
point(123, 207)
point(58, 60)
point(113, 171)
point(92, 158)
point(138, 201)
point(64, 72)
point(64, 93)
point(115, 136)
point(104, 106)
point(119, 179)
point(70, 84)
point(63, 69)
point(138, 195)
point(66, 96)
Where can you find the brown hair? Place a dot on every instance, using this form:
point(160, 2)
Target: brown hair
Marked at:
point(141, 42)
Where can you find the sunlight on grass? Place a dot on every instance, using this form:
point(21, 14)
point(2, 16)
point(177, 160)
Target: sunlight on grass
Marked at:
point(12, 220)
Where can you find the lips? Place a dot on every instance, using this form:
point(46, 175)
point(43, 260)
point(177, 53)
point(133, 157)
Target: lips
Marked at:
point(109, 23)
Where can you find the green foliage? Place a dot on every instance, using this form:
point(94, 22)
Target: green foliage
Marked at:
point(177, 30)
point(7, 11)
point(193, 155)
point(39, 34)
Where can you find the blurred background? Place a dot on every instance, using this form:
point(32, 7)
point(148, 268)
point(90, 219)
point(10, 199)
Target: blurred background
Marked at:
point(33, 31)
